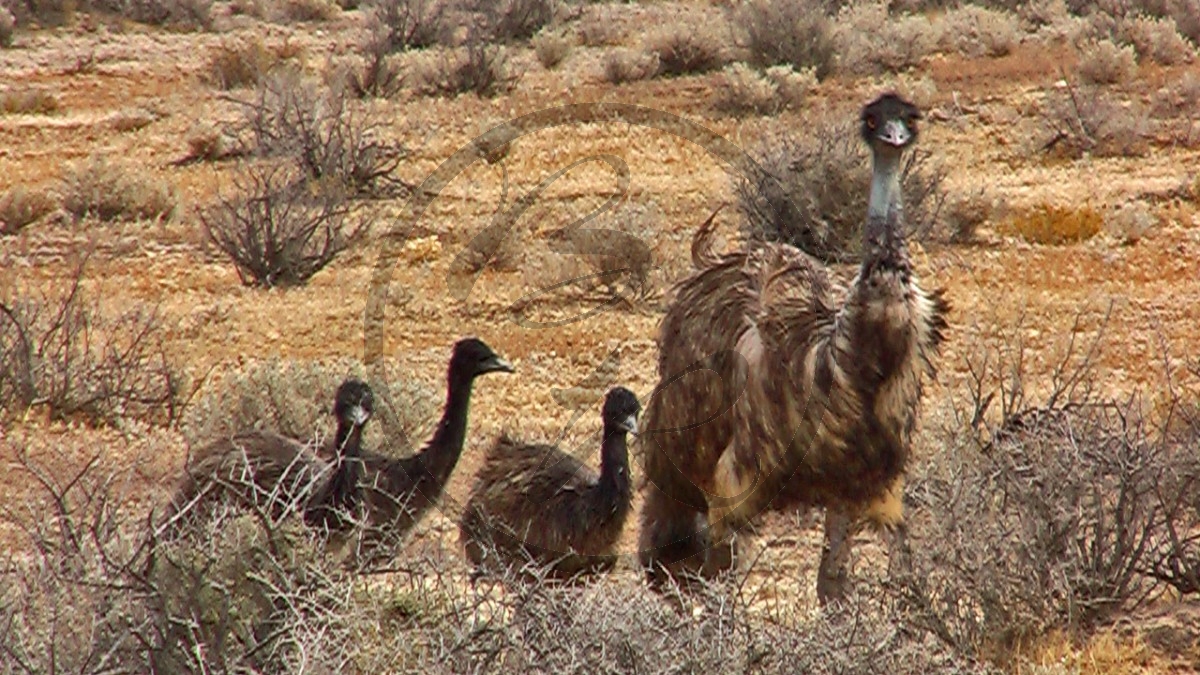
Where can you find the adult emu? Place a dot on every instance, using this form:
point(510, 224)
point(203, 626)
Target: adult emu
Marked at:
point(394, 494)
point(811, 402)
point(534, 502)
point(267, 470)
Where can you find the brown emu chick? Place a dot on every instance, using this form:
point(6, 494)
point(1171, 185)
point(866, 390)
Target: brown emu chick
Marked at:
point(263, 469)
point(534, 502)
point(394, 494)
point(778, 391)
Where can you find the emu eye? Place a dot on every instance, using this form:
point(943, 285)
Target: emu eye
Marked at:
point(871, 123)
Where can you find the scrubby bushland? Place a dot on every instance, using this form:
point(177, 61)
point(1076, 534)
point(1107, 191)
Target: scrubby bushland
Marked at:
point(319, 127)
point(280, 227)
point(401, 25)
point(509, 21)
point(685, 50)
point(293, 398)
point(742, 90)
point(66, 351)
point(478, 67)
point(796, 33)
point(811, 191)
point(1048, 511)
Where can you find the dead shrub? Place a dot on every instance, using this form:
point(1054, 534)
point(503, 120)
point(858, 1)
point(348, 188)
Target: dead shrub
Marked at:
point(868, 40)
point(400, 25)
point(811, 191)
point(795, 33)
point(21, 206)
point(1153, 33)
point(241, 63)
point(509, 21)
point(28, 102)
point(686, 50)
point(598, 28)
point(329, 136)
point(379, 76)
point(976, 31)
point(743, 90)
point(294, 398)
point(1103, 62)
point(477, 67)
point(1054, 225)
point(8, 26)
point(280, 227)
point(551, 48)
point(209, 142)
point(629, 65)
point(109, 191)
point(313, 11)
point(1045, 516)
point(1082, 120)
point(62, 350)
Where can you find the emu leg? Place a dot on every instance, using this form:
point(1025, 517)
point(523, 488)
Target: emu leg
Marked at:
point(832, 577)
point(670, 544)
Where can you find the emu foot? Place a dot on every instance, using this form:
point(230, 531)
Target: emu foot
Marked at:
point(833, 582)
point(718, 559)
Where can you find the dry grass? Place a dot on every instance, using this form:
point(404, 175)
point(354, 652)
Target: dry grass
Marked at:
point(868, 40)
point(21, 206)
point(794, 33)
point(28, 102)
point(116, 190)
point(243, 63)
point(290, 11)
point(1129, 223)
point(479, 67)
point(596, 27)
point(742, 90)
point(976, 31)
point(1054, 225)
point(629, 65)
point(1103, 62)
point(1083, 120)
point(551, 48)
point(686, 50)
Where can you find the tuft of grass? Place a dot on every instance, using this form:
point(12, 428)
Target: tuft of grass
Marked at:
point(242, 63)
point(686, 50)
point(629, 65)
point(112, 191)
point(551, 48)
point(28, 102)
point(1104, 62)
point(1054, 225)
point(21, 206)
point(976, 31)
point(795, 33)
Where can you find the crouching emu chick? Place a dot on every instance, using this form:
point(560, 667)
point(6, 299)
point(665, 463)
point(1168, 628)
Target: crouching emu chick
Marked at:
point(811, 402)
point(264, 469)
point(534, 502)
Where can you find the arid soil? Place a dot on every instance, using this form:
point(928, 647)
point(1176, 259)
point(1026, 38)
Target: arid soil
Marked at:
point(978, 124)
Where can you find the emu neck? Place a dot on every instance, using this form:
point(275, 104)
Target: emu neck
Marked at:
point(614, 461)
point(347, 440)
point(443, 450)
point(885, 210)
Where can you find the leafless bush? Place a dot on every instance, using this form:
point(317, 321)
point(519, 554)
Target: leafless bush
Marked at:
point(62, 350)
point(21, 206)
point(294, 398)
point(796, 33)
point(379, 76)
point(629, 65)
point(742, 89)
point(1046, 516)
point(1084, 119)
point(508, 21)
point(477, 67)
point(868, 40)
point(551, 48)
point(598, 28)
point(280, 227)
point(812, 192)
point(685, 50)
point(112, 190)
point(978, 31)
point(409, 24)
point(1103, 62)
point(322, 129)
point(242, 63)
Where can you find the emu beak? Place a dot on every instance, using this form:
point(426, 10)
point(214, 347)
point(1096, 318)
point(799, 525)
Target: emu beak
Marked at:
point(497, 364)
point(630, 424)
point(359, 415)
point(895, 133)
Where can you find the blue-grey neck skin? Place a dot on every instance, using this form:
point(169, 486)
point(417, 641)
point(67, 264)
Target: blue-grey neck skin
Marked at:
point(885, 210)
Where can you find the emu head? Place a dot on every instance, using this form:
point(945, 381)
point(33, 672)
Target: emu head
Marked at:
point(473, 357)
point(621, 410)
point(889, 122)
point(354, 402)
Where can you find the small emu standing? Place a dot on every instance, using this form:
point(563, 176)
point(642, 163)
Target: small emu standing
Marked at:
point(534, 502)
point(811, 403)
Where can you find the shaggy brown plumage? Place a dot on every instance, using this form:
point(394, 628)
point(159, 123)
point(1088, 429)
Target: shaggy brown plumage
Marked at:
point(394, 494)
point(266, 470)
point(534, 502)
point(773, 394)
